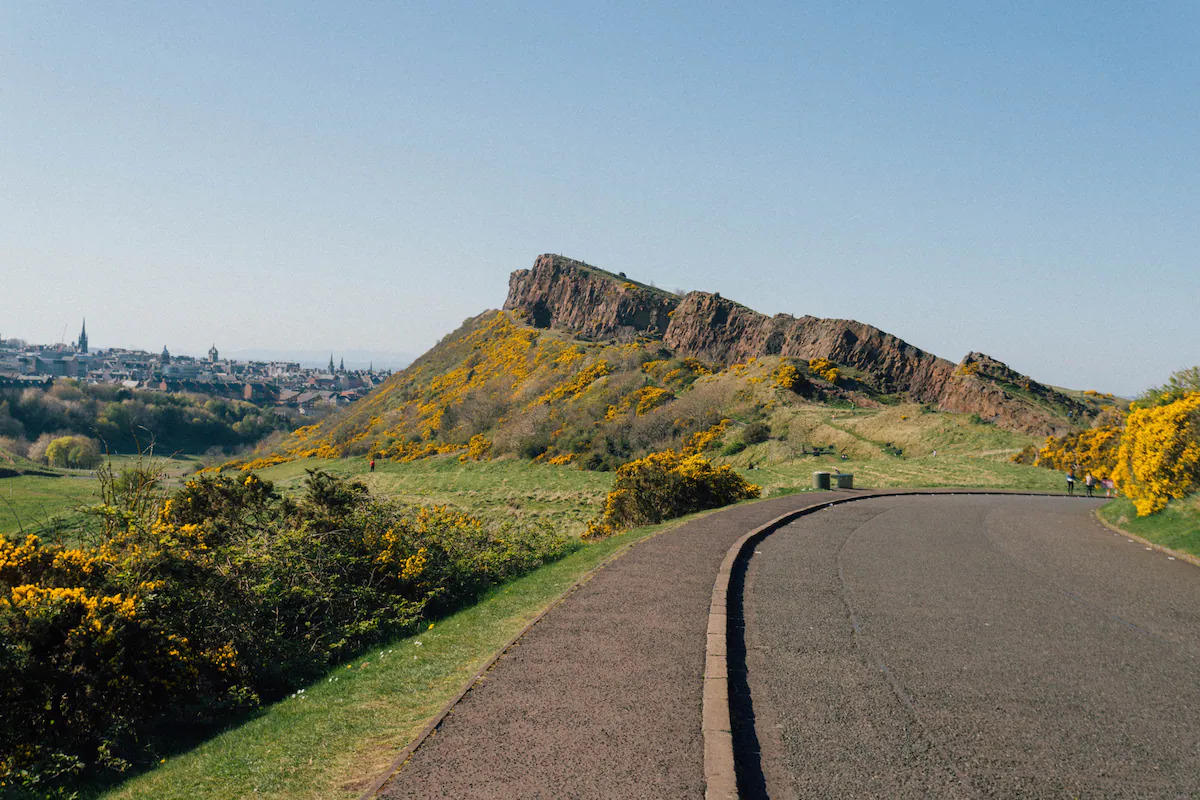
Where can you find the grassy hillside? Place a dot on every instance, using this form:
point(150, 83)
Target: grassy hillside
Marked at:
point(886, 446)
point(506, 489)
point(497, 387)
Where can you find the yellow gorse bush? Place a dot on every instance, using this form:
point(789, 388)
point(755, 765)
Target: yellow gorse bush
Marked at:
point(785, 376)
point(665, 485)
point(479, 448)
point(650, 398)
point(576, 386)
point(1159, 455)
point(702, 440)
point(824, 368)
point(1093, 450)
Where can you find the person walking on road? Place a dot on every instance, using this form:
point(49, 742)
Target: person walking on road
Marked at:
point(1089, 481)
point(1070, 480)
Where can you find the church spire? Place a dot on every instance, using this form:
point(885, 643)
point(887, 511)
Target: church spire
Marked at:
point(83, 344)
point(331, 363)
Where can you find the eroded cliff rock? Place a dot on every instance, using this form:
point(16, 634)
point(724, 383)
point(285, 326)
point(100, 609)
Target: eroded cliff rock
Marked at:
point(589, 302)
point(594, 304)
point(714, 328)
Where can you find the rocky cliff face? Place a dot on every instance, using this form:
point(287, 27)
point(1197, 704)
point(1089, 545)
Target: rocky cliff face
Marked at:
point(589, 302)
point(996, 392)
point(713, 328)
point(593, 304)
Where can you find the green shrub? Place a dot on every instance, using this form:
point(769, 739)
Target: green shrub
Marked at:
point(733, 448)
point(756, 432)
point(213, 600)
point(75, 452)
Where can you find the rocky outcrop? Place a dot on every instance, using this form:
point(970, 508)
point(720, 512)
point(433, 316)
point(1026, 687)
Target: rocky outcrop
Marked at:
point(593, 304)
point(997, 393)
point(712, 328)
point(588, 302)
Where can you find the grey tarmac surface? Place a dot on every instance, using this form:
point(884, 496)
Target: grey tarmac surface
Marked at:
point(971, 647)
point(602, 698)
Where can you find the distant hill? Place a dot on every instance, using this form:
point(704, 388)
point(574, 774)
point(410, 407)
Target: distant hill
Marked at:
point(585, 365)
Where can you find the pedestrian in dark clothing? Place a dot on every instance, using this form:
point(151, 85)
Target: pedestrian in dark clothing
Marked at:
point(1089, 481)
point(1071, 481)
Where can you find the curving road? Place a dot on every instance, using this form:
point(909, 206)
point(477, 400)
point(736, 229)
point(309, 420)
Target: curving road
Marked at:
point(602, 697)
point(970, 646)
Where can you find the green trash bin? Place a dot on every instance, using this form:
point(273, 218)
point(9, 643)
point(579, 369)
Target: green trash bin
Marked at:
point(820, 480)
point(844, 480)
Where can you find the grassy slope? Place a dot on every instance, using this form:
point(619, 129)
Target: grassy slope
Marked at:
point(42, 505)
point(32, 503)
point(346, 728)
point(967, 455)
point(1177, 526)
point(508, 488)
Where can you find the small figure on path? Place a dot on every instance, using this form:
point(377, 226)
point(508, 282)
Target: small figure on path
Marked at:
point(372, 465)
point(1089, 481)
point(1108, 487)
point(1071, 480)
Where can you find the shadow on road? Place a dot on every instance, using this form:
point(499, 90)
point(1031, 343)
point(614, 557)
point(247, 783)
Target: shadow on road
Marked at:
point(747, 758)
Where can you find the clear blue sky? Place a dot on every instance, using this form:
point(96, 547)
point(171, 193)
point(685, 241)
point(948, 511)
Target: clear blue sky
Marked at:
point(1018, 178)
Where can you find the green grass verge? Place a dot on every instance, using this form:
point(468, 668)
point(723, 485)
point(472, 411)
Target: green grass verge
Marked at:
point(37, 504)
point(49, 506)
point(330, 741)
point(1177, 526)
point(564, 497)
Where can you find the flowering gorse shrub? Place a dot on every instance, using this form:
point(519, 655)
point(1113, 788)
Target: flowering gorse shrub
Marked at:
point(212, 600)
point(1159, 456)
point(705, 439)
point(666, 485)
point(1093, 450)
point(787, 376)
point(824, 368)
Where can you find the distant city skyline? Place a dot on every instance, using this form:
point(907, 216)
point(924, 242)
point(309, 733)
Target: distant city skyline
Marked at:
point(353, 358)
point(1016, 179)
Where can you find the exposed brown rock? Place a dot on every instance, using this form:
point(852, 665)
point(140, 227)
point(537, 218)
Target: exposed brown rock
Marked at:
point(589, 302)
point(713, 328)
point(997, 393)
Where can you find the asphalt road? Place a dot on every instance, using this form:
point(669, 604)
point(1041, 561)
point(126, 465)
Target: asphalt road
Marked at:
point(965, 646)
point(602, 698)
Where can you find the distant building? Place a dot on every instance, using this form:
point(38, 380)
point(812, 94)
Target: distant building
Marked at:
point(212, 354)
point(82, 346)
